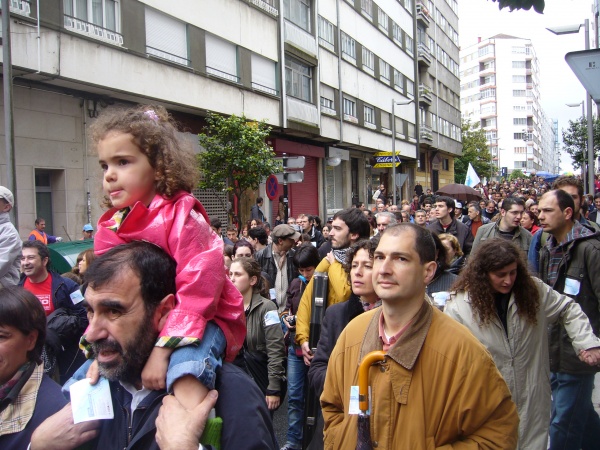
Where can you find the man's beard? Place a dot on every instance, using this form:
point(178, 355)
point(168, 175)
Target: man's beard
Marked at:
point(132, 359)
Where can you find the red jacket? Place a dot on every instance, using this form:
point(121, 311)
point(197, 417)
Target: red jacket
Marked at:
point(180, 226)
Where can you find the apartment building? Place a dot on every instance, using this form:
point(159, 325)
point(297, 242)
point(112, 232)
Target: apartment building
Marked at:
point(500, 90)
point(322, 74)
point(439, 95)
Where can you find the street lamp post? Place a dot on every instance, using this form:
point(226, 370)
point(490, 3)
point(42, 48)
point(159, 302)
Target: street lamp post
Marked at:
point(394, 103)
point(569, 29)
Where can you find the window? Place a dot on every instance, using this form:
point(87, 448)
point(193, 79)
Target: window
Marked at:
point(327, 103)
point(433, 121)
point(518, 50)
point(488, 49)
point(369, 115)
point(518, 78)
point(221, 58)
point(488, 93)
point(166, 37)
point(382, 19)
point(366, 6)
point(445, 164)
point(263, 74)
point(410, 88)
point(102, 13)
point(521, 150)
point(519, 93)
point(326, 33)
point(408, 5)
point(519, 121)
point(397, 31)
point(298, 12)
point(518, 64)
point(411, 130)
point(408, 44)
point(521, 136)
point(298, 79)
point(349, 108)
point(384, 69)
point(398, 79)
point(368, 59)
point(519, 108)
point(348, 46)
point(385, 121)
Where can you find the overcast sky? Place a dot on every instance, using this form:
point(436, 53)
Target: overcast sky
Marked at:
point(481, 18)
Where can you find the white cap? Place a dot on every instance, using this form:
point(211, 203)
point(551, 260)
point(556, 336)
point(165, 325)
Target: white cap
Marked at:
point(7, 195)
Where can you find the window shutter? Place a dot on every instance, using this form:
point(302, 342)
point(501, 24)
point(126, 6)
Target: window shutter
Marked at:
point(263, 72)
point(166, 34)
point(221, 55)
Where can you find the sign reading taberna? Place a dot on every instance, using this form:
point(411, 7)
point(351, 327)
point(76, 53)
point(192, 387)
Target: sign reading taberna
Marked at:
point(384, 159)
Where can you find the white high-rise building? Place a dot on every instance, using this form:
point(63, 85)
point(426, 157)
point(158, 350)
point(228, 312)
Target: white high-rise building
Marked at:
point(500, 90)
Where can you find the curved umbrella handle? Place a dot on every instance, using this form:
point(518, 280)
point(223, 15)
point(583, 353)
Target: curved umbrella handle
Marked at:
point(363, 377)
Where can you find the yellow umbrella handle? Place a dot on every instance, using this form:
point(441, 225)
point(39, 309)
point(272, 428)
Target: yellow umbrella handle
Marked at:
point(363, 377)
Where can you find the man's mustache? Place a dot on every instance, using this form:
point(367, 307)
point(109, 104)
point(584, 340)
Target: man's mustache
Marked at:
point(106, 345)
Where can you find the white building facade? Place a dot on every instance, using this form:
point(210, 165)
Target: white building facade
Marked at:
point(500, 90)
point(322, 73)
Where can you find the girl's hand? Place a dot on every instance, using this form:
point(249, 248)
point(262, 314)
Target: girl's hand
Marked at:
point(154, 375)
point(273, 402)
point(329, 257)
point(93, 373)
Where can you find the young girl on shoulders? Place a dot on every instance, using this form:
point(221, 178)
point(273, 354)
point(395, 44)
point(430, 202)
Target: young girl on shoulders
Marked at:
point(148, 175)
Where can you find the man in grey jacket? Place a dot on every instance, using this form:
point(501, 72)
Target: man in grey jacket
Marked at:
point(10, 242)
point(508, 227)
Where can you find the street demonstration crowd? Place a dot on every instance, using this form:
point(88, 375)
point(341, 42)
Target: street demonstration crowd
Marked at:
point(473, 317)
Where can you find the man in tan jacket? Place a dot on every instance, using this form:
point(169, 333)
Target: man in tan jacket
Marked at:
point(438, 386)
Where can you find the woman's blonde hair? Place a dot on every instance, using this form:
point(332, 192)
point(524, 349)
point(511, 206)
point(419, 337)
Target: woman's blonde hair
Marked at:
point(453, 242)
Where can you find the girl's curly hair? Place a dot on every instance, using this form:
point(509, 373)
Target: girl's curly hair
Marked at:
point(492, 255)
point(370, 245)
point(155, 132)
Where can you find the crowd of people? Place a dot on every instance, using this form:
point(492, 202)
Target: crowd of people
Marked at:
point(486, 311)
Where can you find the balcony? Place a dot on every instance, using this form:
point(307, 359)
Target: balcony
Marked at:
point(265, 6)
point(424, 55)
point(425, 133)
point(89, 29)
point(423, 14)
point(425, 95)
point(22, 7)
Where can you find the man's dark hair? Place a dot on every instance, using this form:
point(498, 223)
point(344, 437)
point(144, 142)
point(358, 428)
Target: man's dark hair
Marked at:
point(427, 201)
point(508, 203)
point(306, 256)
point(216, 223)
point(232, 228)
point(260, 234)
point(424, 243)
point(154, 267)
point(356, 222)
point(563, 199)
point(21, 309)
point(259, 200)
point(41, 248)
point(565, 180)
point(596, 195)
point(39, 219)
point(450, 203)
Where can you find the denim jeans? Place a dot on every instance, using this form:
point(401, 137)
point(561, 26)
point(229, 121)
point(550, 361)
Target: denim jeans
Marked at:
point(574, 424)
point(296, 375)
point(201, 361)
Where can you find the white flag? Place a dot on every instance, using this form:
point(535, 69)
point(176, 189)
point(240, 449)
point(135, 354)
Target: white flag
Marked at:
point(472, 178)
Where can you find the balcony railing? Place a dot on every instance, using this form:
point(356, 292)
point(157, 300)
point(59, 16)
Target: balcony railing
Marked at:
point(423, 14)
point(425, 93)
point(22, 7)
point(265, 6)
point(167, 56)
point(424, 54)
point(263, 88)
point(92, 30)
point(221, 74)
point(425, 133)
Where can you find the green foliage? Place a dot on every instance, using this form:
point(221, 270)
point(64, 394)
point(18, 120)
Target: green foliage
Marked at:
point(538, 5)
point(517, 173)
point(236, 156)
point(475, 151)
point(575, 140)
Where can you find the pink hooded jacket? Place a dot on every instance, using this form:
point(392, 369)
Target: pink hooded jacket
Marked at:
point(180, 226)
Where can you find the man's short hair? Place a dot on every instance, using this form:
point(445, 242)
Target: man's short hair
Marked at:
point(563, 199)
point(356, 222)
point(306, 256)
point(41, 248)
point(154, 267)
point(475, 205)
point(232, 228)
point(423, 243)
point(38, 220)
point(450, 203)
point(216, 223)
point(391, 215)
point(508, 203)
point(260, 234)
point(427, 201)
point(565, 180)
point(596, 195)
point(259, 200)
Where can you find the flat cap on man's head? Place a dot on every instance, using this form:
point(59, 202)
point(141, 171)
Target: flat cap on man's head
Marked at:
point(285, 231)
point(7, 195)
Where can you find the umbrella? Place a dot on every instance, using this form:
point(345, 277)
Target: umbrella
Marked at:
point(547, 176)
point(460, 192)
point(364, 433)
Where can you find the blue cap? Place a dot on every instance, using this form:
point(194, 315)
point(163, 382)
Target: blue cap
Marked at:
point(88, 227)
